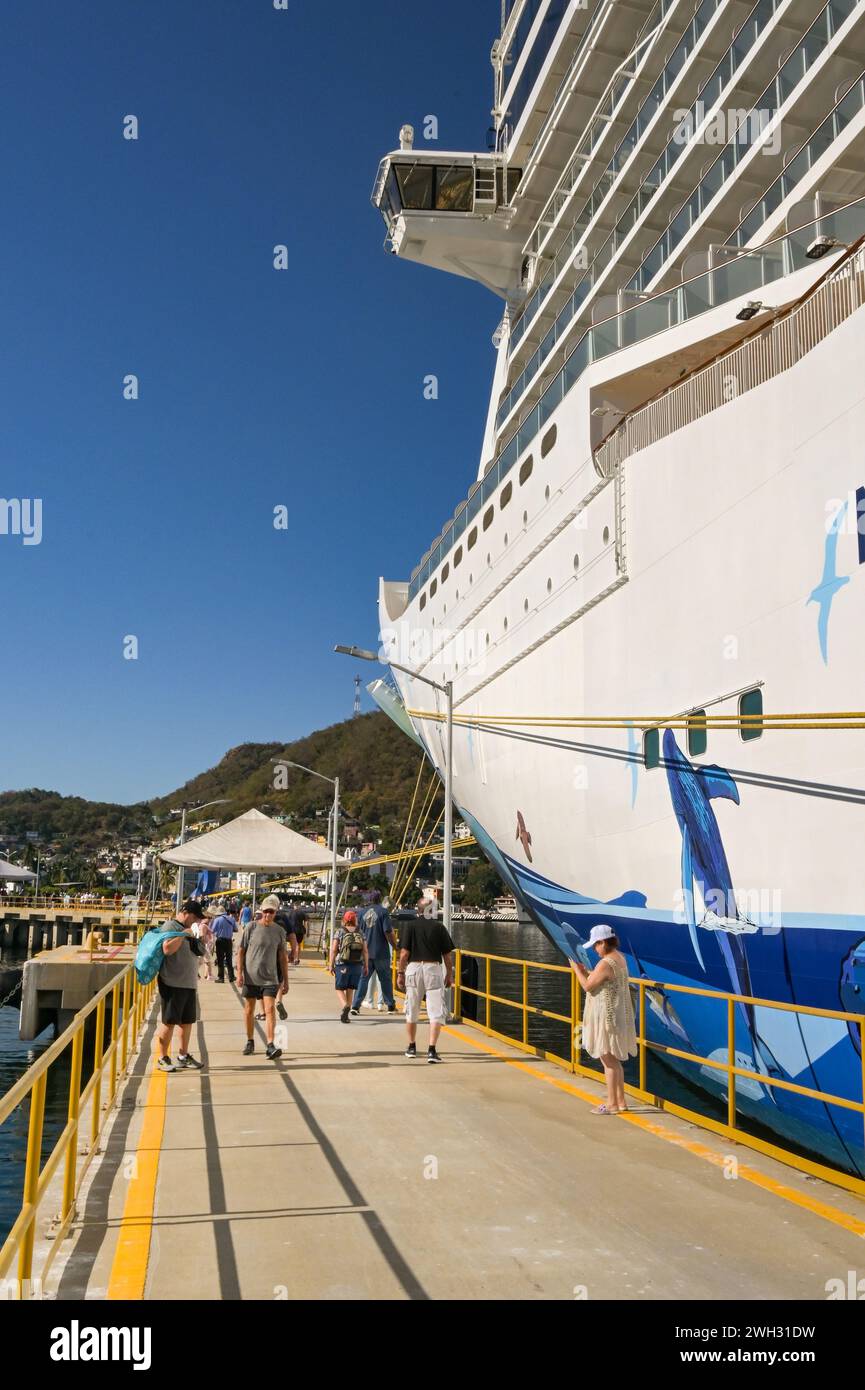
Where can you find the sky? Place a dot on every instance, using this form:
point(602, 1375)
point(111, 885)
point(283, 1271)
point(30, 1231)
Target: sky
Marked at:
point(257, 388)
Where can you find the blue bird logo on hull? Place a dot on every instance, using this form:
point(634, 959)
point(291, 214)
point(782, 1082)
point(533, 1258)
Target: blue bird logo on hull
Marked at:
point(830, 583)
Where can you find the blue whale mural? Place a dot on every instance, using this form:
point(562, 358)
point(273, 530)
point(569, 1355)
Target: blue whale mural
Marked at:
point(704, 865)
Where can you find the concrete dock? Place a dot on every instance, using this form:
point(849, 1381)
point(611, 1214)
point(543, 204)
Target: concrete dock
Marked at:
point(345, 1171)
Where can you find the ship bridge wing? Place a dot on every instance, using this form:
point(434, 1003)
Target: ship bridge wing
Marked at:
point(452, 211)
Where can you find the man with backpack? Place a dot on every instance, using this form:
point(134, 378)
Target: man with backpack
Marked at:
point(262, 966)
point(378, 932)
point(349, 960)
point(177, 983)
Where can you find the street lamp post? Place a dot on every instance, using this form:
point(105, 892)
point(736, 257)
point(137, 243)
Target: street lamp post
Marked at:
point(447, 690)
point(220, 802)
point(334, 782)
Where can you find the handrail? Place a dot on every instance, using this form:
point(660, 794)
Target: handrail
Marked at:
point(572, 1063)
point(130, 1004)
point(683, 301)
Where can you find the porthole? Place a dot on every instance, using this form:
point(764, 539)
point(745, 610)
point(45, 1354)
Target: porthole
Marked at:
point(697, 736)
point(525, 605)
point(458, 555)
point(526, 470)
point(473, 535)
point(471, 578)
point(507, 493)
point(489, 558)
point(488, 517)
point(488, 639)
point(549, 586)
point(547, 493)
point(525, 518)
point(751, 704)
point(606, 535)
point(458, 593)
point(445, 608)
point(446, 569)
point(549, 441)
point(576, 563)
point(506, 624)
point(433, 588)
point(506, 540)
point(652, 748)
point(422, 602)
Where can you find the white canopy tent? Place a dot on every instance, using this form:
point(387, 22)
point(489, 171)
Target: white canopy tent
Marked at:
point(13, 873)
point(255, 844)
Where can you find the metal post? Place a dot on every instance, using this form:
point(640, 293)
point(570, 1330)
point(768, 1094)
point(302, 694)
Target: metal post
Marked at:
point(449, 811)
point(731, 1062)
point(335, 833)
point(31, 1176)
point(180, 869)
point(74, 1104)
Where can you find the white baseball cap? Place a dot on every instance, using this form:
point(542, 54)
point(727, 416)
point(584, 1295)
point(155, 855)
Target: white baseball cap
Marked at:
point(270, 904)
point(602, 932)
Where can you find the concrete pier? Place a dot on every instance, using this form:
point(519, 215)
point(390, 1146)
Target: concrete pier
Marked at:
point(345, 1171)
point(60, 982)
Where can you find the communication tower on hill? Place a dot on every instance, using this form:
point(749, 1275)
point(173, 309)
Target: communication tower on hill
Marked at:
point(356, 697)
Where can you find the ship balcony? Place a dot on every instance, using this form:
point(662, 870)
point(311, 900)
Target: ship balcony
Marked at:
point(452, 212)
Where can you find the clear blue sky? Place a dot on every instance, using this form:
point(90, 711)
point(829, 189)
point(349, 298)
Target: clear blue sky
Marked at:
point(257, 387)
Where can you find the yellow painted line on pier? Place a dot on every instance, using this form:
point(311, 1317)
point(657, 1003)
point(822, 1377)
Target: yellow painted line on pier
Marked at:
point(129, 1269)
point(778, 1189)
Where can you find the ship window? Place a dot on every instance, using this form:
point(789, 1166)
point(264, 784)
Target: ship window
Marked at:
point(548, 441)
point(455, 188)
point(473, 535)
point(458, 555)
point(697, 736)
point(415, 186)
point(652, 748)
point(606, 535)
point(488, 517)
point(507, 493)
point(751, 703)
point(433, 588)
point(423, 602)
point(526, 470)
point(446, 569)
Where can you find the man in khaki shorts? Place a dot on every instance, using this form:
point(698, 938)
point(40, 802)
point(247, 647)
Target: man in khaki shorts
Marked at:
point(425, 968)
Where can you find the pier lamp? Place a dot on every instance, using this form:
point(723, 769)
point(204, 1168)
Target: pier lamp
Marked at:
point(334, 782)
point(182, 813)
point(447, 690)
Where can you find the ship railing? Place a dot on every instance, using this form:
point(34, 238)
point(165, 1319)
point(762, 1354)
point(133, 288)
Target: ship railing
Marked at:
point(483, 967)
point(88, 1112)
point(771, 350)
point(740, 274)
point(783, 90)
point(602, 118)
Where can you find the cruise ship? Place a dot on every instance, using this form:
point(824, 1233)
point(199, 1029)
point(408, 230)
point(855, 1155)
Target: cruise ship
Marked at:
point(651, 601)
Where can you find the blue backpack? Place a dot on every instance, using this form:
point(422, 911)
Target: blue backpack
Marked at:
point(149, 957)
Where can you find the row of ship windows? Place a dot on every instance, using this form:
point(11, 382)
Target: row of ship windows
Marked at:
point(750, 727)
point(505, 496)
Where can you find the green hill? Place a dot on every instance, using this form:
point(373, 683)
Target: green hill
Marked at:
point(376, 763)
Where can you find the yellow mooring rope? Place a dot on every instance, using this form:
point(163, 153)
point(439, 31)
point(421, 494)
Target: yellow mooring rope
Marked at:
point(851, 719)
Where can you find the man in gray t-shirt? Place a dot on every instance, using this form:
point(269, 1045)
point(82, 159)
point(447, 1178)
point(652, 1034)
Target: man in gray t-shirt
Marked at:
point(177, 983)
point(262, 968)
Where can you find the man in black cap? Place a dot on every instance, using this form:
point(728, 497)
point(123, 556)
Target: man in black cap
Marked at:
point(178, 987)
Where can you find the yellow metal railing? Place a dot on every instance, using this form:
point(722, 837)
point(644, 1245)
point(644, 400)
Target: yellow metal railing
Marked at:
point(729, 1129)
point(77, 1142)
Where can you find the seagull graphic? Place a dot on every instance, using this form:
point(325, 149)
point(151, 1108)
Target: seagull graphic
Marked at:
point(829, 584)
point(523, 836)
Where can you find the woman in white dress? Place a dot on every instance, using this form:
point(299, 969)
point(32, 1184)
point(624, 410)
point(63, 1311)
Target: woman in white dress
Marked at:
point(608, 1031)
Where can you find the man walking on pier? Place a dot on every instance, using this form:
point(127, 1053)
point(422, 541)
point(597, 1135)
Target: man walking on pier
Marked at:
point(224, 928)
point(376, 927)
point(178, 988)
point(425, 968)
point(262, 968)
